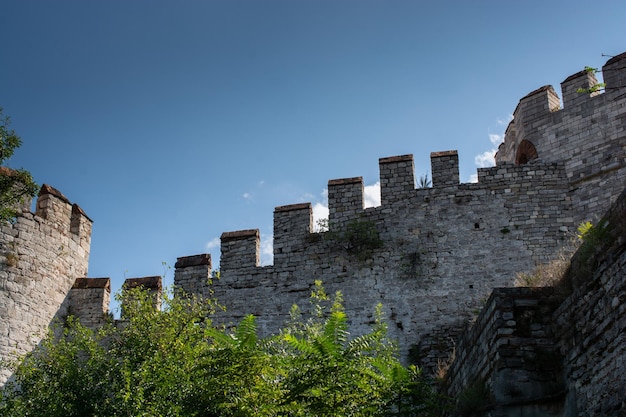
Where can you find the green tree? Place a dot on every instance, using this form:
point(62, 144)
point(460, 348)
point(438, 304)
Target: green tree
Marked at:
point(154, 353)
point(16, 185)
point(65, 376)
point(240, 374)
point(142, 365)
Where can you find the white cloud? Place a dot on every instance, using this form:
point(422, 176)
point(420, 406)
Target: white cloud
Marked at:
point(495, 139)
point(320, 212)
point(486, 159)
point(213, 243)
point(267, 250)
point(371, 194)
point(256, 190)
point(505, 122)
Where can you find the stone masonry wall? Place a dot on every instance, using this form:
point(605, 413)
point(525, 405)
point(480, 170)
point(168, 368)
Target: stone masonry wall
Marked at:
point(441, 250)
point(41, 255)
point(192, 274)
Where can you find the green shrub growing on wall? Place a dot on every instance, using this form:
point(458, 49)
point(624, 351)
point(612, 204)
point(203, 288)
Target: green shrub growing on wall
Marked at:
point(359, 238)
point(593, 238)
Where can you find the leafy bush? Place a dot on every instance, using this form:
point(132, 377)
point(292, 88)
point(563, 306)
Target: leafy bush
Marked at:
point(176, 363)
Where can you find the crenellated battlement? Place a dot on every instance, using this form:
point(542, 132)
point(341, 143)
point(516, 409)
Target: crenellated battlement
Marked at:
point(397, 178)
point(151, 284)
point(292, 225)
point(614, 75)
point(445, 168)
point(89, 301)
point(240, 249)
point(573, 86)
point(540, 110)
point(192, 274)
point(89, 298)
point(53, 206)
point(345, 199)
point(577, 89)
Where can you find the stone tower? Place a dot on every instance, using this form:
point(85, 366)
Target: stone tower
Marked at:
point(41, 255)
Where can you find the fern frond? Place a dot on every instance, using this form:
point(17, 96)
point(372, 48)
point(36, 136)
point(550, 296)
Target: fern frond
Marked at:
point(336, 328)
point(326, 347)
point(220, 338)
point(360, 345)
point(246, 332)
point(301, 345)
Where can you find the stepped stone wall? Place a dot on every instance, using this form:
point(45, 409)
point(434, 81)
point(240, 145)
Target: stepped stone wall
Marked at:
point(591, 323)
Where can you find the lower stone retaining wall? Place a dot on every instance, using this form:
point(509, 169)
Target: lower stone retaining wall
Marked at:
point(508, 362)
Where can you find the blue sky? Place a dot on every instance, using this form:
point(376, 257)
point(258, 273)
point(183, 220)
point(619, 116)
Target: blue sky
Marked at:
point(172, 122)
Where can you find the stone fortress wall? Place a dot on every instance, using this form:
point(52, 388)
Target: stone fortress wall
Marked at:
point(435, 266)
point(443, 248)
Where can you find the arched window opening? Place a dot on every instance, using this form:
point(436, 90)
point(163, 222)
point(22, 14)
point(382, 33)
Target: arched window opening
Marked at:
point(526, 152)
